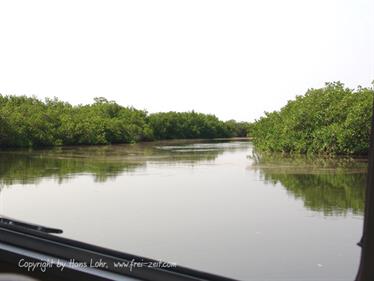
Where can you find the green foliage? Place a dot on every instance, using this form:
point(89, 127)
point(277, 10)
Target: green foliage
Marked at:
point(238, 129)
point(26, 122)
point(330, 120)
point(190, 125)
point(186, 125)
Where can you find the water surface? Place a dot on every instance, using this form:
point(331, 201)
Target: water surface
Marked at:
point(214, 206)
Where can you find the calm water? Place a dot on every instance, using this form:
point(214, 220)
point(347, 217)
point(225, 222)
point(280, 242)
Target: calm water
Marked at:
point(217, 206)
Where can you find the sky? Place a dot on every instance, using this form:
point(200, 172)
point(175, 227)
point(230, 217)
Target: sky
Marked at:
point(234, 59)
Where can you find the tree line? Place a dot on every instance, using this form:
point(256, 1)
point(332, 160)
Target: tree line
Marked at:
point(28, 121)
point(330, 120)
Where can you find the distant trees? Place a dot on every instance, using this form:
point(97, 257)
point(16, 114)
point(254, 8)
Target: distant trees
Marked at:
point(238, 129)
point(5, 131)
point(330, 120)
point(26, 121)
point(186, 125)
point(189, 125)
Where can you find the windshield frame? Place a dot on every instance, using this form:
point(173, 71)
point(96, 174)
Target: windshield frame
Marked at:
point(18, 243)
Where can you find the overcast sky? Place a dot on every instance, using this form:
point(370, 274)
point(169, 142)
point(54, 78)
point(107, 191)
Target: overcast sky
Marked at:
point(235, 59)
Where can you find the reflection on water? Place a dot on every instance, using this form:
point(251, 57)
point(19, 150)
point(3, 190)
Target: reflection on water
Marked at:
point(197, 203)
point(333, 186)
point(103, 162)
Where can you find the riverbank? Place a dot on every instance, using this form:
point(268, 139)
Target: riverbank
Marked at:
point(29, 122)
point(332, 120)
point(169, 142)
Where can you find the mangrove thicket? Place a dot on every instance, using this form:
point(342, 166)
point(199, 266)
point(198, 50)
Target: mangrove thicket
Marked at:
point(330, 120)
point(28, 121)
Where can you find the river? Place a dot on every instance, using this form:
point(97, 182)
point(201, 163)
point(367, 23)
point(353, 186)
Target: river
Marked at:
point(217, 206)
